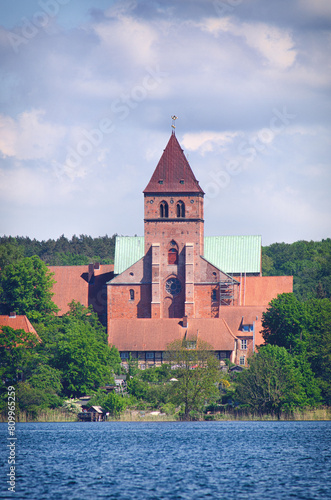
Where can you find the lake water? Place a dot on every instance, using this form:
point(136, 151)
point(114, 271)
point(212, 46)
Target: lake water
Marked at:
point(165, 460)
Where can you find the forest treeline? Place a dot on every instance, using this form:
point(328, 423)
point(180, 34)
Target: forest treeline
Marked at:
point(308, 261)
point(78, 250)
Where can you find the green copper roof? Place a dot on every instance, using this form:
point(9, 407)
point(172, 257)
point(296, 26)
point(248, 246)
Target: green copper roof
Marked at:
point(234, 254)
point(128, 250)
point(231, 254)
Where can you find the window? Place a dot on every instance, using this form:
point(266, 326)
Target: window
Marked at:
point(191, 344)
point(149, 355)
point(223, 355)
point(242, 360)
point(124, 355)
point(173, 256)
point(214, 295)
point(180, 209)
point(164, 211)
point(243, 344)
point(247, 328)
point(131, 294)
point(173, 286)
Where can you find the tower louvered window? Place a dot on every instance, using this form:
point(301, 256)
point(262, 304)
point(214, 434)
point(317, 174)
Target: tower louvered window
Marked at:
point(180, 209)
point(164, 210)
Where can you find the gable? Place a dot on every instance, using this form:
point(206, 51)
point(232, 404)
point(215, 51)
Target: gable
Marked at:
point(173, 172)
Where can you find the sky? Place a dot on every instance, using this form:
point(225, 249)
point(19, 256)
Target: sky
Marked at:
point(88, 89)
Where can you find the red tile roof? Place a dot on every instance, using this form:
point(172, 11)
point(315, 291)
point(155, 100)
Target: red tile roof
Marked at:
point(156, 334)
point(72, 284)
point(18, 323)
point(247, 315)
point(174, 171)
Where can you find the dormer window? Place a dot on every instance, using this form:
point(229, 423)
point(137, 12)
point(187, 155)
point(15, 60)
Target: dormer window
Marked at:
point(247, 328)
point(181, 181)
point(161, 181)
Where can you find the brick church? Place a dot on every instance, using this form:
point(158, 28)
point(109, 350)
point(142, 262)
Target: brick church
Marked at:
point(175, 283)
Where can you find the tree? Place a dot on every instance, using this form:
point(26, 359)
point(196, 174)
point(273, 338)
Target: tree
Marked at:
point(10, 252)
point(79, 349)
point(197, 372)
point(308, 261)
point(114, 403)
point(304, 329)
point(26, 288)
point(16, 351)
point(272, 384)
point(283, 323)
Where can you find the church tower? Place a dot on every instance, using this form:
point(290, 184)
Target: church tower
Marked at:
point(174, 233)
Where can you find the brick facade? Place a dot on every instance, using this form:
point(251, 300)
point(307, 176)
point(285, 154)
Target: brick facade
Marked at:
point(173, 291)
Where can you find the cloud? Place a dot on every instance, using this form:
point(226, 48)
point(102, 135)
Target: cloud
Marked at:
point(222, 75)
point(275, 45)
point(129, 39)
point(29, 137)
point(207, 141)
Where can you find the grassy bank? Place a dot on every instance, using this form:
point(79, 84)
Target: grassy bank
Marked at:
point(234, 415)
point(47, 415)
point(304, 415)
point(141, 416)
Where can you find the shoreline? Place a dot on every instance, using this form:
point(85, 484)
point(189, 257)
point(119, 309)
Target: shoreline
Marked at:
point(58, 416)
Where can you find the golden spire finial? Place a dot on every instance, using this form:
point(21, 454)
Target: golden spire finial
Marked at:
point(174, 118)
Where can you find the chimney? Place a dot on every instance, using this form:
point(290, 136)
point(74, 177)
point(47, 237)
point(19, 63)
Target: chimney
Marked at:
point(90, 272)
point(12, 314)
point(97, 266)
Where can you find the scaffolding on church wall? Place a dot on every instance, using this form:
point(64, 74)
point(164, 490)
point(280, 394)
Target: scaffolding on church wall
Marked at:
point(228, 293)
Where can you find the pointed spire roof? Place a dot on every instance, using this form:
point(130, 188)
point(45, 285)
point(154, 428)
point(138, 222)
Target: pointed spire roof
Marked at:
point(173, 173)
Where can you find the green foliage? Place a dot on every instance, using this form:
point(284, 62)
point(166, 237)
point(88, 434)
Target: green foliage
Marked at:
point(284, 323)
point(197, 372)
point(47, 379)
point(30, 399)
point(16, 351)
point(157, 373)
point(79, 250)
point(308, 261)
point(114, 403)
point(10, 252)
point(304, 329)
point(26, 288)
point(77, 346)
point(272, 384)
point(137, 387)
point(82, 358)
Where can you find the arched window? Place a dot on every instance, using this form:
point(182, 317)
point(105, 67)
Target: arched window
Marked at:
point(164, 211)
point(131, 294)
point(173, 256)
point(180, 209)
